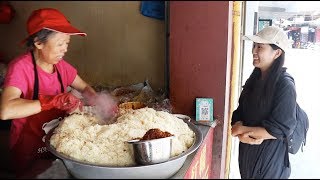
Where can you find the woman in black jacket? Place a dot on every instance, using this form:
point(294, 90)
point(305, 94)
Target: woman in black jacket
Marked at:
point(266, 111)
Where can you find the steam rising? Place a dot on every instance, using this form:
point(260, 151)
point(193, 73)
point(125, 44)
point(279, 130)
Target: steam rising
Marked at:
point(105, 106)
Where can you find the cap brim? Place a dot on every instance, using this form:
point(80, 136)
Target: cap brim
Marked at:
point(63, 29)
point(256, 39)
point(66, 29)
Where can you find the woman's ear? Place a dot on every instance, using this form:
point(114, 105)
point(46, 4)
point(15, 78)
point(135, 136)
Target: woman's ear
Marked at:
point(37, 43)
point(278, 53)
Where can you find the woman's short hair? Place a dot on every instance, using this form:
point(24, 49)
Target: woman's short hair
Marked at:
point(41, 36)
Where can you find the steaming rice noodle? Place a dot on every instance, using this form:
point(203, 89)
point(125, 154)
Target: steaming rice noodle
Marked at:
point(84, 138)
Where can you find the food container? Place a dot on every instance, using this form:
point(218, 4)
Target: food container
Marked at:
point(164, 170)
point(152, 151)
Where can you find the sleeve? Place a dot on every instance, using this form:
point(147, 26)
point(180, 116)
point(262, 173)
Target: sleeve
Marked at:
point(16, 77)
point(236, 115)
point(283, 113)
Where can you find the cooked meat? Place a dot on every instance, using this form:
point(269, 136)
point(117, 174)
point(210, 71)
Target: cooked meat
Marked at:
point(155, 134)
point(132, 105)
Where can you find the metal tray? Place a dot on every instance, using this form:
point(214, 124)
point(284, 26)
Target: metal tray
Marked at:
point(163, 170)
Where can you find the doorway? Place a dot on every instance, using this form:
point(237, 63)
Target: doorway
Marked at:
point(301, 21)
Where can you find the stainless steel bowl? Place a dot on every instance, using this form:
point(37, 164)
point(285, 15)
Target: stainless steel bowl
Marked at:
point(152, 151)
point(164, 170)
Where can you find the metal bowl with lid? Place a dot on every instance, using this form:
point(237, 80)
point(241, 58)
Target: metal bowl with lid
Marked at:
point(164, 170)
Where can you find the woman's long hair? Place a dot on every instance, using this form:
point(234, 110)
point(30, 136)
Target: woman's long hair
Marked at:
point(273, 74)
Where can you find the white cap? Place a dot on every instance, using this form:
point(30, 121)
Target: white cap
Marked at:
point(271, 35)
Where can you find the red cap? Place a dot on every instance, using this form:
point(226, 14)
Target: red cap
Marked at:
point(51, 19)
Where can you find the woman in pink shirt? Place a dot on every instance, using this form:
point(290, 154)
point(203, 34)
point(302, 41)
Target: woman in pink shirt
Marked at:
point(35, 87)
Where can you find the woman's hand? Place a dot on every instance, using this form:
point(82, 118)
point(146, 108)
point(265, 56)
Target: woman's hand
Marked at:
point(245, 134)
point(249, 139)
point(64, 101)
point(237, 128)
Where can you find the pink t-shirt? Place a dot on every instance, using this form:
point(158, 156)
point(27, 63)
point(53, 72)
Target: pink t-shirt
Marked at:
point(20, 74)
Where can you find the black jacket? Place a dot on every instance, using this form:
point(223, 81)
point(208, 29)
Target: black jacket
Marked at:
point(270, 158)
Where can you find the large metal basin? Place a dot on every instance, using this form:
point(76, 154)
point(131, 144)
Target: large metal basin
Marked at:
point(163, 170)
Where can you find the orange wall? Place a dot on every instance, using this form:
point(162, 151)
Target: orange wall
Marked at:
point(198, 56)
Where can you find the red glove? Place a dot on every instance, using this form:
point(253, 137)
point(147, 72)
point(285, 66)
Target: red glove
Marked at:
point(64, 101)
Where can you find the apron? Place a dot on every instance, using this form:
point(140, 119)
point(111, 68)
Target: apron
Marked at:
point(30, 145)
